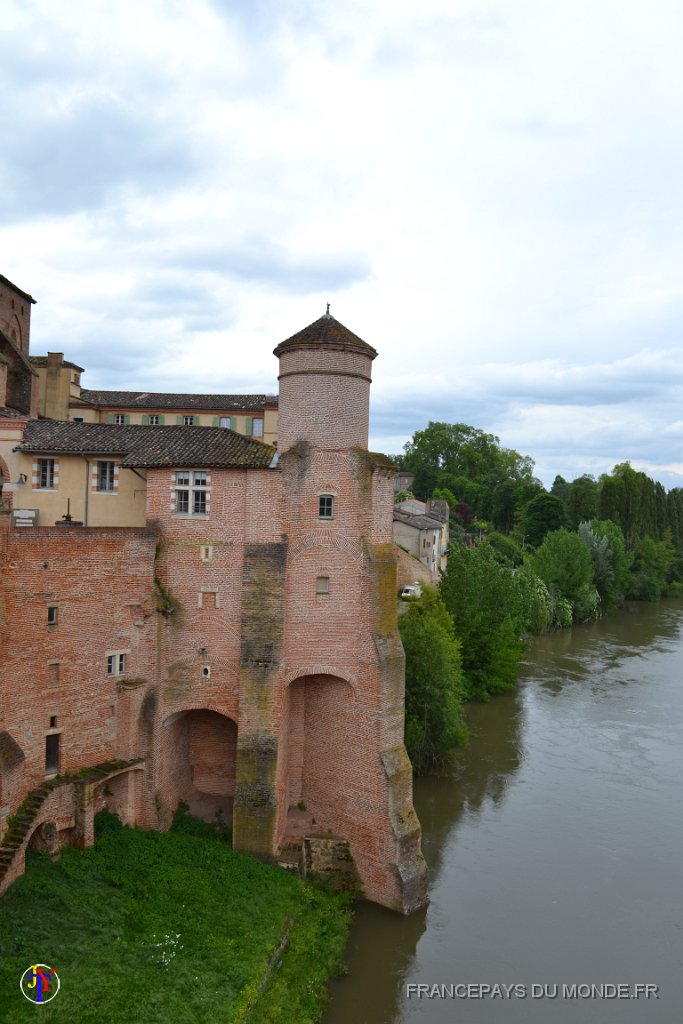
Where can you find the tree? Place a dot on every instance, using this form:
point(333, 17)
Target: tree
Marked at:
point(539, 516)
point(487, 604)
point(434, 686)
point(582, 501)
point(564, 564)
point(612, 593)
point(467, 461)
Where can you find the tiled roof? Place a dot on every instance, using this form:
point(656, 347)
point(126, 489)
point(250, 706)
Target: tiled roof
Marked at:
point(203, 447)
point(328, 333)
point(417, 521)
point(42, 361)
point(166, 400)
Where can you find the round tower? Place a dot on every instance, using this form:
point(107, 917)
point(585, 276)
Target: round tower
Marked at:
point(324, 387)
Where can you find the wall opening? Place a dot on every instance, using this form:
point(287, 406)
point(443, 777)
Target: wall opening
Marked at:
point(199, 750)
point(324, 750)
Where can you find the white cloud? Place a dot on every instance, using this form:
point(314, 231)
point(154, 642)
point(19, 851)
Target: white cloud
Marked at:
point(488, 193)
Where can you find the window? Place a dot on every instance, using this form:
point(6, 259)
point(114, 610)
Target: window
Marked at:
point(326, 506)
point(322, 585)
point(53, 721)
point(225, 422)
point(206, 552)
point(188, 421)
point(52, 753)
point(190, 492)
point(105, 476)
point(120, 419)
point(116, 664)
point(258, 428)
point(153, 420)
point(78, 419)
point(46, 474)
point(52, 615)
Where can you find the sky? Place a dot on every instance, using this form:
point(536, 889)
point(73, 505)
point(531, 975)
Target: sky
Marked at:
point(489, 192)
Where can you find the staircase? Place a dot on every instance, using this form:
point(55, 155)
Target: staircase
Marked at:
point(22, 821)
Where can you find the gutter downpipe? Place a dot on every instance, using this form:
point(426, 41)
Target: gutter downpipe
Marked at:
point(87, 486)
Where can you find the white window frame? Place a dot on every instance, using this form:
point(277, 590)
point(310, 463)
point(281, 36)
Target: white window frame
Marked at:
point(154, 420)
point(106, 475)
point(188, 421)
point(257, 428)
point(120, 419)
point(46, 474)
point(192, 492)
point(326, 506)
point(116, 663)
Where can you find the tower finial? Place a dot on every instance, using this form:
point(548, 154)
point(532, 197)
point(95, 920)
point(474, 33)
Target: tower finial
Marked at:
point(328, 310)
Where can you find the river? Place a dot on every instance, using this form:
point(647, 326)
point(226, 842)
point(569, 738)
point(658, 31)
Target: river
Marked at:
point(555, 849)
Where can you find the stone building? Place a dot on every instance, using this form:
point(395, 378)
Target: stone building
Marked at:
point(236, 648)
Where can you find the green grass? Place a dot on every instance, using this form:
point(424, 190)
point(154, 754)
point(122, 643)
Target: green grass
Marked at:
point(171, 928)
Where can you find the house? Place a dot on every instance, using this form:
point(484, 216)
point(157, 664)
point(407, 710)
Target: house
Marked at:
point(220, 630)
point(421, 529)
point(61, 397)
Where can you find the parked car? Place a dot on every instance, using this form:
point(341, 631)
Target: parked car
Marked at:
point(411, 591)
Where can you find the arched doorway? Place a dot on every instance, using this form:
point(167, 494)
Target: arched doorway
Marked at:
point(198, 763)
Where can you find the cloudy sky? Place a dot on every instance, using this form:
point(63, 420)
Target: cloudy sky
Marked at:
point(490, 192)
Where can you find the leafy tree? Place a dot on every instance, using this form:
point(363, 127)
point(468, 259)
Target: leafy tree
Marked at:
point(612, 593)
point(467, 461)
point(434, 685)
point(564, 564)
point(582, 501)
point(541, 515)
point(464, 513)
point(487, 604)
point(508, 552)
point(652, 561)
point(560, 488)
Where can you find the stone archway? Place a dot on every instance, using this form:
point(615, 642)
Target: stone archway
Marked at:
point(198, 755)
point(324, 753)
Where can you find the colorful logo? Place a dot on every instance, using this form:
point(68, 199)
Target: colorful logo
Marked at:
point(39, 983)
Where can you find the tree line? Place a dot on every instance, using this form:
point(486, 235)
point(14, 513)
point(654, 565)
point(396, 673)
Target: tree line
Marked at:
point(522, 560)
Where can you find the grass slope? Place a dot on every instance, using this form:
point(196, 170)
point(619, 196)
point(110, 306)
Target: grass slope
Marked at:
point(171, 928)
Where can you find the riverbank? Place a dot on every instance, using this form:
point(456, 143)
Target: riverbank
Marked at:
point(169, 928)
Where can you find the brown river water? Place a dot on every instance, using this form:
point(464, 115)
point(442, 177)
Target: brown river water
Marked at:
point(555, 849)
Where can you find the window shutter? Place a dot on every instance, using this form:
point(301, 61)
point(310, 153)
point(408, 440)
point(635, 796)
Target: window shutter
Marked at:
point(233, 423)
point(249, 430)
point(110, 417)
point(179, 421)
point(216, 421)
point(145, 420)
point(161, 421)
point(126, 419)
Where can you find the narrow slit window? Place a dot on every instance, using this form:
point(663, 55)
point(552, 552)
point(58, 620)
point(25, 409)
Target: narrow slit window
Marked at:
point(52, 753)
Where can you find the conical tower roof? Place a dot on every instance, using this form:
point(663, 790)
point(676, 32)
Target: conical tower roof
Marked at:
point(326, 333)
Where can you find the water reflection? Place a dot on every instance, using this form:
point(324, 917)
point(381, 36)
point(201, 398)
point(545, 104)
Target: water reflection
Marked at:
point(481, 776)
point(554, 847)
